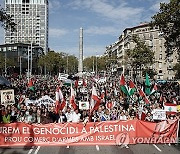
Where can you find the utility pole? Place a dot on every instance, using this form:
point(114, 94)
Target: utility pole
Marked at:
point(67, 65)
point(5, 65)
point(31, 58)
point(96, 65)
point(93, 63)
point(28, 64)
point(20, 68)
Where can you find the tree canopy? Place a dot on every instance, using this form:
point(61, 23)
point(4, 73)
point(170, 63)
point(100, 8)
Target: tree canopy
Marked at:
point(56, 62)
point(140, 55)
point(168, 20)
point(93, 60)
point(6, 21)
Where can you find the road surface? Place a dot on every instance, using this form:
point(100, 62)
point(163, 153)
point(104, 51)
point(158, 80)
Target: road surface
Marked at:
point(133, 149)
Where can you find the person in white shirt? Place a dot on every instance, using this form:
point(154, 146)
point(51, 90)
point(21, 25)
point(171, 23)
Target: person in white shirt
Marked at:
point(69, 115)
point(122, 116)
point(76, 116)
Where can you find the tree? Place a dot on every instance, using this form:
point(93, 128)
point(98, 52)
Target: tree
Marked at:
point(6, 21)
point(177, 69)
point(90, 63)
point(53, 62)
point(141, 57)
point(56, 62)
point(168, 20)
point(9, 63)
point(72, 64)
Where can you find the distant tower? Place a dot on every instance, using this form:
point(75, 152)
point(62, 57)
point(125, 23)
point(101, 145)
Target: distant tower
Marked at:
point(80, 66)
point(31, 19)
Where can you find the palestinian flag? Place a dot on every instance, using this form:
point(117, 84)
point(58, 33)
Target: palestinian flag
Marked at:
point(143, 95)
point(31, 85)
point(154, 89)
point(147, 85)
point(123, 85)
point(132, 88)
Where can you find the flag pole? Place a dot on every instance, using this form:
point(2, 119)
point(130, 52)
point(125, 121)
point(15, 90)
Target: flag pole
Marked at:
point(177, 139)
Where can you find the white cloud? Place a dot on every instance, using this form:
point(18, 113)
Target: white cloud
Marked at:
point(116, 13)
point(2, 35)
point(101, 30)
point(88, 50)
point(54, 5)
point(54, 32)
point(156, 6)
point(2, 3)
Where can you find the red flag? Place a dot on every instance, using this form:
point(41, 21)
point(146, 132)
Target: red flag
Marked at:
point(141, 92)
point(95, 100)
point(84, 83)
point(143, 95)
point(72, 99)
point(154, 89)
point(63, 101)
point(76, 84)
point(122, 80)
point(57, 106)
point(102, 95)
point(109, 105)
point(21, 99)
point(30, 83)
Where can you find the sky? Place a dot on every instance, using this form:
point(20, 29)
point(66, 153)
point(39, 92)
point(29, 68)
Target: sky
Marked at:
point(103, 21)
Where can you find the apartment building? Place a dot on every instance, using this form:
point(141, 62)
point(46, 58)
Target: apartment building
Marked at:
point(163, 65)
point(31, 18)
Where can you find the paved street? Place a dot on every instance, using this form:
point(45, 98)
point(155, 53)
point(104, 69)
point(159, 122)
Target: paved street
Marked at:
point(133, 149)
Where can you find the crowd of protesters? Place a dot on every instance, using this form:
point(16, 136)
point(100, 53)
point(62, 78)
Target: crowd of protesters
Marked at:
point(123, 107)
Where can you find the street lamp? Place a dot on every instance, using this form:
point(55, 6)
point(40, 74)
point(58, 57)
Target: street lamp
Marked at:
point(30, 71)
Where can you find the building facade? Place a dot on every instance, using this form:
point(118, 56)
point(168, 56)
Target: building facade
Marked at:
point(31, 19)
point(15, 58)
point(163, 65)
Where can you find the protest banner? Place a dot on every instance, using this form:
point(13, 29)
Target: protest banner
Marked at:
point(7, 97)
point(159, 114)
point(160, 132)
point(43, 100)
point(99, 133)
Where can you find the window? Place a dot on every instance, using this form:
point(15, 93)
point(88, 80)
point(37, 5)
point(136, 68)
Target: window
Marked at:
point(160, 56)
point(160, 65)
point(25, 1)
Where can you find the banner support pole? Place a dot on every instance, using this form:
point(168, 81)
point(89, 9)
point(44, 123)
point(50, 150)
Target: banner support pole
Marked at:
point(177, 139)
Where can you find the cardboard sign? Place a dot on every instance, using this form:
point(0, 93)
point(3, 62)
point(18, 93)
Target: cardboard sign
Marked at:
point(159, 114)
point(7, 97)
point(84, 105)
point(178, 108)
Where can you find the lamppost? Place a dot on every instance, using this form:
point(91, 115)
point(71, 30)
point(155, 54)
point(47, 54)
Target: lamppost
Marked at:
point(29, 63)
point(5, 60)
point(67, 65)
